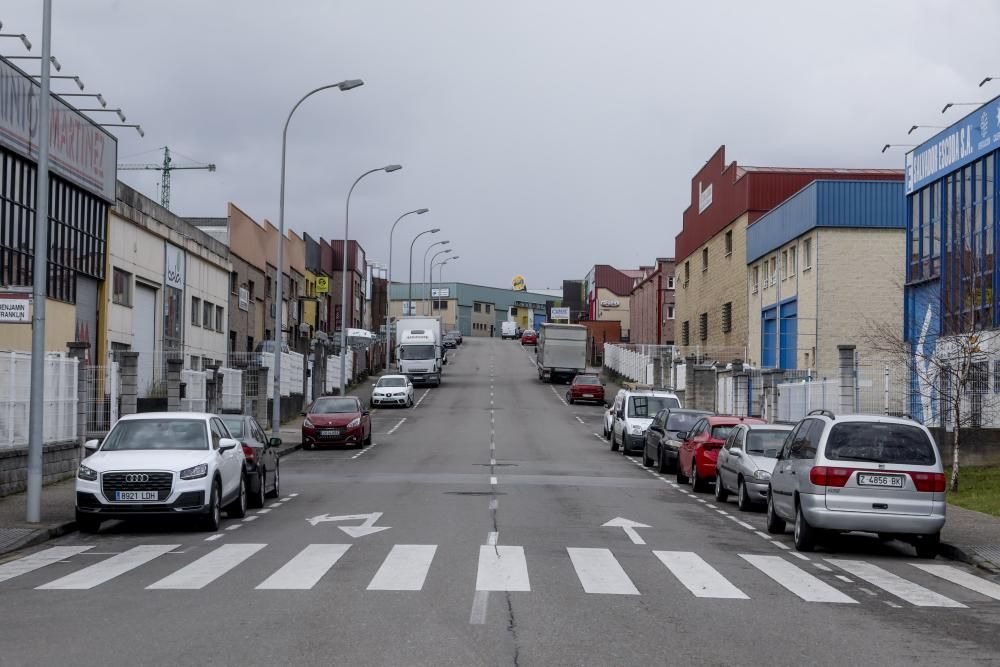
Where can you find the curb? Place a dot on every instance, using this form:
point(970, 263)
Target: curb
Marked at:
point(291, 449)
point(41, 535)
point(957, 553)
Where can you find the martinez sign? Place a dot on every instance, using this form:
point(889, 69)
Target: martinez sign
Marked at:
point(79, 150)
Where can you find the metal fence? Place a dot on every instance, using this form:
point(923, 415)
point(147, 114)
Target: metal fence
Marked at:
point(195, 391)
point(101, 395)
point(797, 399)
point(648, 364)
point(61, 398)
point(333, 370)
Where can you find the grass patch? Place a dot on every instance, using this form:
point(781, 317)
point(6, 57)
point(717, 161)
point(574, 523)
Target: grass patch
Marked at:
point(978, 489)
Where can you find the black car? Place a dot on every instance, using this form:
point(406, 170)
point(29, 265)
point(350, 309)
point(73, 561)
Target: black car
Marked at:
point(661, 444)
point(261, 455)
point(449, 341)
point(456, 334)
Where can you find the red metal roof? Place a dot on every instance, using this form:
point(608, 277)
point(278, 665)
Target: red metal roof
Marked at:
point(610, 278)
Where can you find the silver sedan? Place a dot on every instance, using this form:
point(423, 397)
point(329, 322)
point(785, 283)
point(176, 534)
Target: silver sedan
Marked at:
point(746, 462)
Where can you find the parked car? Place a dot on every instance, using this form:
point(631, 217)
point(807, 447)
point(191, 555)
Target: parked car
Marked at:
point(162, 464)
point(609, 414)
point(585, 388)
point(859, 473)
point(508, 330)
point(746, 462)
point(457, 334)
point(393, 390)
point(529, 337)
point(700, 449)
point(449, 341)
point(260, 455)
point(662, 443)
point(635, 413)
point(336, 420)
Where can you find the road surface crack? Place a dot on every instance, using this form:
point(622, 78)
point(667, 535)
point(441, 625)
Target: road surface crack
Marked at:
point(512, 629)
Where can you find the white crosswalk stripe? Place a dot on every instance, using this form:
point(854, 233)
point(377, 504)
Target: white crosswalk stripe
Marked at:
point(703, 580)
point(208, 568)
point(38, 560)
point(600, 572)
point(797, 580)
point(962, 578)
point(404, 569)
point(108, 569)
point(304, 570)
point(893, 584)
point(502, 568)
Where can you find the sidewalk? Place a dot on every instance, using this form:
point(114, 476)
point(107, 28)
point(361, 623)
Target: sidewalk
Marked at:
point(59, 499)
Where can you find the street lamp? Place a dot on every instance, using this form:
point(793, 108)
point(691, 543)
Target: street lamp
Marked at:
point(925, 127)
point(423, 272)
point(440, 266)
point(343, 277)
point(409, 291)
point(987, 80)
point(430, 285)
point(20, 36)
point(121, 114)
point(345, 85)
point(98, 96)
point(138, 128)
point(52, 59)
point(76, 79)
point(888, 146)
point(961, 104)
point(388, 289)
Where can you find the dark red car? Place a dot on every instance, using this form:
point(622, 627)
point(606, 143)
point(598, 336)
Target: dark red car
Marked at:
point(336, 420)
point(587, 388)
point(701, 445)
point(529, 337)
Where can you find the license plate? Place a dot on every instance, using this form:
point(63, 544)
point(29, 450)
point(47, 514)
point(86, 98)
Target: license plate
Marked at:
point(892, 481)
point(588, 395)
point(137, 495)
point(329, 432)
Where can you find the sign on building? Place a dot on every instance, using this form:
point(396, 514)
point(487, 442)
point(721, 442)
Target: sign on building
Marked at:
point(15, 307)
point(244, 298)
point(173, 268)
point(442, 293)
point(322, 285)
point(518, 284)
point(610, 303)
point(560, 313)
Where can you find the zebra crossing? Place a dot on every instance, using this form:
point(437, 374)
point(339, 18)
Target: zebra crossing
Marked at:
point(406, 568)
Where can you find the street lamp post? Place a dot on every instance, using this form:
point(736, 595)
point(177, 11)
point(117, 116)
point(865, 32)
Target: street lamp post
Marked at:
point(409, 290)
point(343, 276)
point(430, 286)
point(345, 85)
point(440, 266)
point(423, 274)
point(388, 289)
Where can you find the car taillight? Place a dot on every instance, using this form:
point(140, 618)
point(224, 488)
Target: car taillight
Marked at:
point(929, 481)
point(827, 476)
point(248, 452)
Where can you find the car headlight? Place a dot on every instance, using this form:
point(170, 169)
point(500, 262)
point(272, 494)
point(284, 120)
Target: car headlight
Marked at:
point(306, 423)
point(356, 422)
point(762, 475)
point(88, 474)
point(195, 472)
point(637, 430)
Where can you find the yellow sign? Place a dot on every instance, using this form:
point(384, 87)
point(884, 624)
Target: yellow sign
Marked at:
point(518, 283)
point(322, 285)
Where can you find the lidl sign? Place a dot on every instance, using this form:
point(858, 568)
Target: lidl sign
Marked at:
point(322, 285)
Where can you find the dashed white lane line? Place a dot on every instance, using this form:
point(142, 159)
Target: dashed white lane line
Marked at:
point(479, 603)
point(212, 538)
point(396, 427)
point(580, 420)
point(820, 566)
point(494, 503)
point(286, 499)
point(263, 511)
point(846, 580)
point(248, 519)
point(493, 538)
point(493, 480)
point(801, 556)
point(763, 535)
point(421, 399)
point(745, 525)
point(493, 462)
point(239, 525)
point(293, 495)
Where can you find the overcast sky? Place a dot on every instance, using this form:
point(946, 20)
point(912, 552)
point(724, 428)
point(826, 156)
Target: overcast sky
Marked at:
point(545, 136)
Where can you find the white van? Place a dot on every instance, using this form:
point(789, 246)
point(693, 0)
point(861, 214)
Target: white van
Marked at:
point(508, 330)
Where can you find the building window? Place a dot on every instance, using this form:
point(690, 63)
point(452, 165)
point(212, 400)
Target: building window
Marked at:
point(513, 310)
point(704, 259)
point(219, 317)
point(703, 326)
point(488, 308)
point(670, 311)
point(671, 283)
point(687, 273)
point(774, 270)
point(807, 254)
point(206, 321)
point(195, 311)
point(792, 261)
point(727, 317)
point(440, 305)
point(269, 293)
point(477, 307)
point(234, 282)
point(755, 281)
point(195, 361)
point(729, 242)
point(250, 288)
point(121, 291)
point(784, 265)
point(685, 333)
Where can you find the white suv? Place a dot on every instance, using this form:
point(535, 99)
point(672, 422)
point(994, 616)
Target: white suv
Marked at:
point(632, 414)
point(858, 473)
point(162, 464)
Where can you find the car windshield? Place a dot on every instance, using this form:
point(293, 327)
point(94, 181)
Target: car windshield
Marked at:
point(235, 427)
point(586, 379)
point(334, 405)
point(135, 434)
point(880, 443)
point(765, 443)
point(645, 407)
point(682, 421)
point(391, 382)
point(412, 352)
point(721, 432)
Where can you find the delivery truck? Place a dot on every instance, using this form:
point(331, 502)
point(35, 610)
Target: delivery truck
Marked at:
point(418, 349)
point(561, 352)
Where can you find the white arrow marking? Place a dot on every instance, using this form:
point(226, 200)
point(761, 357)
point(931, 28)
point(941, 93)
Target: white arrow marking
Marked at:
point(629, 527)
point(366, 528)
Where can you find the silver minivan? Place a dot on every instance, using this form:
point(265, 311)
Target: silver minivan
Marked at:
point(863, 473)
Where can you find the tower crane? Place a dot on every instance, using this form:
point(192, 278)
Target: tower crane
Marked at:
point(165, 169)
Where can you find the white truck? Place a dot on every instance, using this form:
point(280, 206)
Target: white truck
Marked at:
point(418, 349)
point(561, 351)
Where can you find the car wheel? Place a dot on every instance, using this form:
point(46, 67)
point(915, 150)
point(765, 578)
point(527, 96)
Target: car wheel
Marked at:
point(681, 477)
point(775, 524)
point(276, 481)
point(721, 494)
point(87, 524)
point(805, 535)
point(308, 446)
point(927, 545)
point(697, 484)
point(646, 461)
point(368, 438)
point(569, 399)
point(660, 462)
point(742, 498)
point(614, 442)
point(213, 520)
point(238, 508)
point(257, 499)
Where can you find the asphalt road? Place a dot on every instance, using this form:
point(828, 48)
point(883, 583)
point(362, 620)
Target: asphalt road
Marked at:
point(492, 494)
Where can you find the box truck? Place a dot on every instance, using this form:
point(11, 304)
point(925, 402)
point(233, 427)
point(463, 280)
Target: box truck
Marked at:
point(418, 349)
point(561, 351)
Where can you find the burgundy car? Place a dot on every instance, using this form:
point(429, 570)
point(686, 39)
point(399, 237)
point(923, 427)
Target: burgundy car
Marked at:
point(529, 337)
point(336, 420)
point(585, 388)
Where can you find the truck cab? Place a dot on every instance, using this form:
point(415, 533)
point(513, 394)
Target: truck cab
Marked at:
point(420, 357)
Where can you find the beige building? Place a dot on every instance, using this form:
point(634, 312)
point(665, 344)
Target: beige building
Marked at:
point(820, 268)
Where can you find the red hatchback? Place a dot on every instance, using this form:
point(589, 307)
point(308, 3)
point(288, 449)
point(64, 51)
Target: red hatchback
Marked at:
point(697, 456)
point(529, 337)
point(336, 420)
point(585, 388)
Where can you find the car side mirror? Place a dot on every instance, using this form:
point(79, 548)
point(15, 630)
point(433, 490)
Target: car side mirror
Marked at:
point(92, 445)
point(365, 412)
point(682, 435)
point(303, 414)
point(274, 442)
point(226, 444)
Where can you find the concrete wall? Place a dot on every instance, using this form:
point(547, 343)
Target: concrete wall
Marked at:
point(208, 282)
point(60, 326)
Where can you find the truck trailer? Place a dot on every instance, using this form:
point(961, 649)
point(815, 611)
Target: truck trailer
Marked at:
point(418, 349)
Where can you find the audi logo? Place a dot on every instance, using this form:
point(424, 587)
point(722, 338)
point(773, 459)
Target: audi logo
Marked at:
point(137, 478)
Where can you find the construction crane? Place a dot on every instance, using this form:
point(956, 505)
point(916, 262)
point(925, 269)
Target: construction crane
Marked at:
point(165, 168)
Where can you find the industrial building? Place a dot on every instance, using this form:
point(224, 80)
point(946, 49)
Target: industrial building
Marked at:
point(475, 310)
